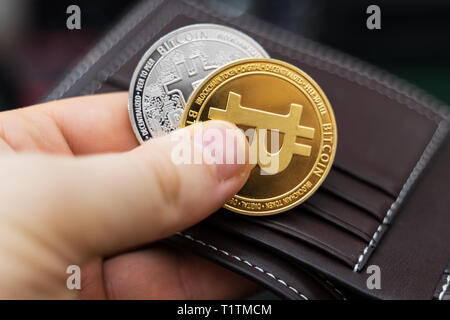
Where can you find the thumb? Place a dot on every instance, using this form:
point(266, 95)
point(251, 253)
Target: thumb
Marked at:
point(102, 204)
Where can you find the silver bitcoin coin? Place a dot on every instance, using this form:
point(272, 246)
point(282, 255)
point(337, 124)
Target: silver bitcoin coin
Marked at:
point(174, 66)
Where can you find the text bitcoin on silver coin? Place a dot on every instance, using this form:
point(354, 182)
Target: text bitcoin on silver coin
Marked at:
point(174, 66)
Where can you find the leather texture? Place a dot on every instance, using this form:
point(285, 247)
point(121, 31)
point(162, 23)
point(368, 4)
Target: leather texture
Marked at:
point(385, 201)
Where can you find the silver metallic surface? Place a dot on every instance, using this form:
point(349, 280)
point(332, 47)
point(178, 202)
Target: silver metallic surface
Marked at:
point(174, 66)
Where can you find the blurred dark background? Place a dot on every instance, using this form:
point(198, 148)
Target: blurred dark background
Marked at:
point(36, 48)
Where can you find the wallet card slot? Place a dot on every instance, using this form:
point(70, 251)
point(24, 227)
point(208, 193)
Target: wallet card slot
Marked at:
point(358, 193)
point(342, 214)
point(362, 180)
point(301, 226)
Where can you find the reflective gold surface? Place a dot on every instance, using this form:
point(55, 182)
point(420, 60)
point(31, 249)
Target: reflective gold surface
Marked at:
point(274, 95)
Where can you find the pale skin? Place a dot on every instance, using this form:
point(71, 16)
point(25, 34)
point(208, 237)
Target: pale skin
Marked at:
point(77, 188)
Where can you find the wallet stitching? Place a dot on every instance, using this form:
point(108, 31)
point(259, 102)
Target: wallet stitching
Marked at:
point(267, 273)
point(430, 149)
point(445, 286)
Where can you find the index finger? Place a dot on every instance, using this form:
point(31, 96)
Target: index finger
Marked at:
point(93, 124)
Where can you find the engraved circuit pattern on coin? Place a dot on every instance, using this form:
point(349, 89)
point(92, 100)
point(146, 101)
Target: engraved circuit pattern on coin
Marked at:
point(174, 66)
point(271, 95)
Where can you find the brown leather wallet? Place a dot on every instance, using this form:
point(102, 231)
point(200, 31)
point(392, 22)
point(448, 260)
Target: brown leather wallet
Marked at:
point(386, 201)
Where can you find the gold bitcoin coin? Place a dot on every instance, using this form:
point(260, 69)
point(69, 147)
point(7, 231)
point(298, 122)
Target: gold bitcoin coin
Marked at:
point(294, 132)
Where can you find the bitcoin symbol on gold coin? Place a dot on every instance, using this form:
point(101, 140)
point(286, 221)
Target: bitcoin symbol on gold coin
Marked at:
point(270, 95)
point(288, 124)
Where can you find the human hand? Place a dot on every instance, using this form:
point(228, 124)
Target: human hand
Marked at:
point(75, 188)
